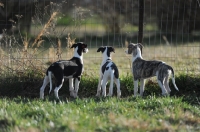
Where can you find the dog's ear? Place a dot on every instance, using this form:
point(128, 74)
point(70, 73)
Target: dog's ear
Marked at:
point(74, 46)
point(84, 46)
point(99, 49)
point(140, 46)
point(113, 49)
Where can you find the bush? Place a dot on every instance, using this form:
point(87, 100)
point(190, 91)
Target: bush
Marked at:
point(29, 85)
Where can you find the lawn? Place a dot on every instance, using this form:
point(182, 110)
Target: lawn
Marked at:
point(150, 113)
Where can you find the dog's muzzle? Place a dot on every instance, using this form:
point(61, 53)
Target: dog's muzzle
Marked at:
point(85, 50)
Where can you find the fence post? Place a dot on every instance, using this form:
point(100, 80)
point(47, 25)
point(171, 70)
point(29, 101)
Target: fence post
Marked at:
point(141, 18)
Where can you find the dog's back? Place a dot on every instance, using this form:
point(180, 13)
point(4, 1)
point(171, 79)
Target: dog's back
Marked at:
point(110, 67)
point(66, 68)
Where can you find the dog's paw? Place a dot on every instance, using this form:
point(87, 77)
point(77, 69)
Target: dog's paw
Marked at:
point(109, 95)
point(119, 94)
point(103, 95)
point(98, 94)
point(41, 97)
point(75, 96)
point(165, 94)
point(72, 93)
point(137, 95)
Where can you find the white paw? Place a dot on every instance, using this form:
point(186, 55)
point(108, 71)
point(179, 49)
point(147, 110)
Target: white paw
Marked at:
point(109, 95)
point(165, 94)
point(72, 93)
point(103, 95)
point(75, 96)
point(137, 95)
point(41, 95)
point(98, 93)
point(119, 94)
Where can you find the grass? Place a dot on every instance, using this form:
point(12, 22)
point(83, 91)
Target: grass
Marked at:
point(99, 114)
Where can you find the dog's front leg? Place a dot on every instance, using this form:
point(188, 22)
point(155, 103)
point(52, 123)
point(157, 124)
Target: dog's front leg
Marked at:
point(104, 82)
point(77, 82)
point(142, 84)
point(99, 86)
point(71, 87)
point(117, 82)
point(135, 87)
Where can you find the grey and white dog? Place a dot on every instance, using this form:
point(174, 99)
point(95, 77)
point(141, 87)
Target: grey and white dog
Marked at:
point(71, 69)
point(108, 71)
point(143, 69)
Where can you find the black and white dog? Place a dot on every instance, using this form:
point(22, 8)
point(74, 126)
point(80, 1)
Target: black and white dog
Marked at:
point(143, 69)
point(108, 71)
point(71, 69)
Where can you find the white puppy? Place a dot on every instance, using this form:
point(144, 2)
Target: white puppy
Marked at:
point(108, 71)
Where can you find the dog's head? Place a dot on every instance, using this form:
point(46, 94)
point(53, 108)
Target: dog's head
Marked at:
point(106, 50)
point(134, 49)
point(80, 48)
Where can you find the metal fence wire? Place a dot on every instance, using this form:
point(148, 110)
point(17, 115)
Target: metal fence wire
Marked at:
point(35, 33)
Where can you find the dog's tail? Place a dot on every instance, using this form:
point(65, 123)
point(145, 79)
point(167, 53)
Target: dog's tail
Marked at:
point(50, 80)
point(173, 78)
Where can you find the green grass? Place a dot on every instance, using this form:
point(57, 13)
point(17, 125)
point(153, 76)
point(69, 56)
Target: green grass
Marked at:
point(99, 114)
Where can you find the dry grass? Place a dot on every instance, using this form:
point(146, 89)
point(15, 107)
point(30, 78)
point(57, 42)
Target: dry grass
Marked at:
point(183, 58)
point(1, 4)
point(44, 30)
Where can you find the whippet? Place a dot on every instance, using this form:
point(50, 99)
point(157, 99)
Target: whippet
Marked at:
point(108, 71)
point(71, 69)
point(143, 69)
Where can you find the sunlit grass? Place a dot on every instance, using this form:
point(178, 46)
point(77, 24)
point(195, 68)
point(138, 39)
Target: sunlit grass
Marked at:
point(104, 114)
point(183, 58)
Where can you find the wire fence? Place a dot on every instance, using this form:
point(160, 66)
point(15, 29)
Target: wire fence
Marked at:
point(37, 33)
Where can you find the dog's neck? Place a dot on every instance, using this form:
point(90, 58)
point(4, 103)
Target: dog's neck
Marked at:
point(78, 55)
point(105, 58)
point(137, 54)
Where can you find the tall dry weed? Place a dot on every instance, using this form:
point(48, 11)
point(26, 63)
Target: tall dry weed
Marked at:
point(126, 45)
point(58, 48)
point(70, 42)
point(44, 30)
point(1, 4)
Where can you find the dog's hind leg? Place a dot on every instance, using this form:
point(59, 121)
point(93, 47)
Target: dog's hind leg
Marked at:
point(166, 84)
point(104, 82)
point(117, 82)
point(142, 84)
point(59, 85)
point(161, 84)
point(99, 86)
point(111, 83)
point(135, 87)
point(71, 87)
point(45, 82)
